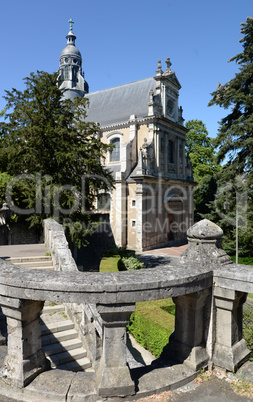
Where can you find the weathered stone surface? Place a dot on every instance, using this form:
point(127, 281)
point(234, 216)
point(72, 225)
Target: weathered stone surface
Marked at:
point(113, 376)
point(52, 385)
point(204, 247)
point(118, 287)
point(114, 295)
point(83, 388)
point(205, 229)
point(152, 380)
point(237, 277)
point(188, 342)
point(245, 372)
point(230, 349)
point(25, 359)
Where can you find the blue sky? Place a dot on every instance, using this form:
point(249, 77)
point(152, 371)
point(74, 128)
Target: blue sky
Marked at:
point(121, 41)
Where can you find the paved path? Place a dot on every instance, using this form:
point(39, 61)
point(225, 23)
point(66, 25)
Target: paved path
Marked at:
point(161, 256)
point(167, 251)
point(22, 250)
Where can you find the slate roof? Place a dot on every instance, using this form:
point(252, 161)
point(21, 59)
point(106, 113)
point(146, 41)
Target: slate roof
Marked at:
point(115, 105)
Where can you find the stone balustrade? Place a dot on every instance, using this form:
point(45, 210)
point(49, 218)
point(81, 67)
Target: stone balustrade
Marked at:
point(208, 322)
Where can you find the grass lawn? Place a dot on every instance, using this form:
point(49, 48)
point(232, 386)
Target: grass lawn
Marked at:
point(243, 260)
point(153, 321)
point(109, 264)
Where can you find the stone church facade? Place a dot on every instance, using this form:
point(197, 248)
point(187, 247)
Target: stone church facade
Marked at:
point(152, 202)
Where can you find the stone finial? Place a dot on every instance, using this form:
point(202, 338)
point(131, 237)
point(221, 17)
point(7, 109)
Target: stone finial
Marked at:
point(169, 64)
point(159, 71)
point(204, 245)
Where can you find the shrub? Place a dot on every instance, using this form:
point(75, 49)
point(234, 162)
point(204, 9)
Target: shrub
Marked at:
point(248, 325)
point(152, 323)
point(129, 263)
point(148, 334)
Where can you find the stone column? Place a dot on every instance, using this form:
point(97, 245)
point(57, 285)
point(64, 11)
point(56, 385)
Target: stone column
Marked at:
point(25, 358)
point(113, 375)
point(230, 349)
point(188, 342)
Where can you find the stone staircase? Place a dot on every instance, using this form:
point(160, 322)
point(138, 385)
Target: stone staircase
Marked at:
point(60, 340)
point(58, 335)
point(40, 262)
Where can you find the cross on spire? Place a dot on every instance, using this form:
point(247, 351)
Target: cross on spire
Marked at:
point(71, 22)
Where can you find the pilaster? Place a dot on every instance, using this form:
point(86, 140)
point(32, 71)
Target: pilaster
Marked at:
point(120, 213)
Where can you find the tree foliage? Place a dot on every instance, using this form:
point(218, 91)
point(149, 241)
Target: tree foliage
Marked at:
point(235, 137)
point(200, 148)
point(235, 148)
point(54, 150)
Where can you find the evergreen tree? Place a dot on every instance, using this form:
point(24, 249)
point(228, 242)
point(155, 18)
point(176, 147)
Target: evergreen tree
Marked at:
point(235, 148)
point(58, 153)
point(200, 148)
point(235, 136)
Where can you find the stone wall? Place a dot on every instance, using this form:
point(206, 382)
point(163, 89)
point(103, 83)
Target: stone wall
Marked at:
point(19, 233)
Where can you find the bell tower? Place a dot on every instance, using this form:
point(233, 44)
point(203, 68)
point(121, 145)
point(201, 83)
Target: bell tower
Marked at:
point(71, 76)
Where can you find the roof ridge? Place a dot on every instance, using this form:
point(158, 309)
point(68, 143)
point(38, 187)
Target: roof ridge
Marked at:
point(118, 86)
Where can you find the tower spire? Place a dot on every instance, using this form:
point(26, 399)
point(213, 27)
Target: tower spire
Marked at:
point(71, 75)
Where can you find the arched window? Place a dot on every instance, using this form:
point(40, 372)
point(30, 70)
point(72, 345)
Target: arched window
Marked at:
point(115, 152)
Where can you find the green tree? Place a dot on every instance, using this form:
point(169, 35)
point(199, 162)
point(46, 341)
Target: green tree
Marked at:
point(200, 148)
point(56, 151)
point(235, 145)
point(235, 136)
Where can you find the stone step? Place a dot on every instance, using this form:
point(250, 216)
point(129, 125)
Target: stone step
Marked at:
point(58, 337)
point(40, 262)
point(54, 327)
point(51, 309)
point(36, 264)
point(65, 357)
point(64, 346)
point(77, 365)
point(19, 260)
point(60, 340)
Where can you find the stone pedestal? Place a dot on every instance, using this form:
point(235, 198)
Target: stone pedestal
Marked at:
point(230, 350)
point(25, 358)
point(113, 375)
point(188, 342)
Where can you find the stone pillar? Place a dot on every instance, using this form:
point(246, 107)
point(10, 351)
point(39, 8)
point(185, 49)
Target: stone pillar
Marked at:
point(25, 358)
point(113, 375)
point(230, 349)
point(188, 342)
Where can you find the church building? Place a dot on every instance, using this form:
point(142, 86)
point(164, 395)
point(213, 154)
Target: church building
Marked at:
point(152, 202)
